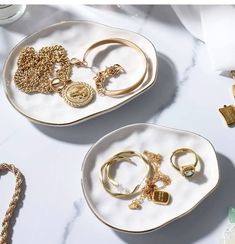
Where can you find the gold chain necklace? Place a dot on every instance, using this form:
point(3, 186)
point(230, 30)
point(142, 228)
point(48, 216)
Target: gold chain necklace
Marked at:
point(49, 71)
point(36, 70)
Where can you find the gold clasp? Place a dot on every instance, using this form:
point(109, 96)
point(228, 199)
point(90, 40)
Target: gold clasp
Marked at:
point(78, 62)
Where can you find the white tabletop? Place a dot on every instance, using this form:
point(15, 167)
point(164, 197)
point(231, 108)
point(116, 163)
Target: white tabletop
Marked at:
point(187, 97)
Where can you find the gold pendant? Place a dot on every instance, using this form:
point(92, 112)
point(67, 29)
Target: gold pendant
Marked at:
point(161, 197)
point(134, 205)
point(228, 113)
point(78, 94)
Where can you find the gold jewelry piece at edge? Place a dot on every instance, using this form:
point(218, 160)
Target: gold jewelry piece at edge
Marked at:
point(100, 78)
point(186, 170)
point(232, 73)
point(4, 235)
point(228, 113)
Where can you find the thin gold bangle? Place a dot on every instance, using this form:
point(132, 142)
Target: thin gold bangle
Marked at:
point(107, 180)
point(125, 43)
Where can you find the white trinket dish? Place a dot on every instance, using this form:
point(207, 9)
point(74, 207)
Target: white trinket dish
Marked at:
point(186, 193)
point(76, 37)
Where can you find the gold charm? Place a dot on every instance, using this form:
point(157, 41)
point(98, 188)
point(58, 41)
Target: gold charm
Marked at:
point(161, 197)
point(228, 113)
point(187, 170)
point(78, 94)
point(134, 205)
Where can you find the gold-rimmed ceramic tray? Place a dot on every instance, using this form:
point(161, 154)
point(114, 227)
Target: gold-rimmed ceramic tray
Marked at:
point(186, 193)
point(75, 37)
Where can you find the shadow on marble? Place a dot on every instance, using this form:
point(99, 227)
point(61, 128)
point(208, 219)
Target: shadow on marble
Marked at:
point(16, 213)
point(203, 220)
point(143, 108)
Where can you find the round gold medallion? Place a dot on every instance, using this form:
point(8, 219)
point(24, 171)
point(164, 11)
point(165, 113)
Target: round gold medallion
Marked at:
point(78, 94)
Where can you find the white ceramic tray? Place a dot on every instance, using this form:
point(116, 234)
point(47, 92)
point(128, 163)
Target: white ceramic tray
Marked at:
point(186, 194)
point(76, 36)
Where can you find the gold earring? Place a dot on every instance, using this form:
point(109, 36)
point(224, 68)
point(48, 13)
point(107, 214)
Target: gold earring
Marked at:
point(187, 170)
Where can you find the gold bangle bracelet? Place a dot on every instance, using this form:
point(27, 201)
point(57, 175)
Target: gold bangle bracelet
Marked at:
point(125, 43)
point(107, 180)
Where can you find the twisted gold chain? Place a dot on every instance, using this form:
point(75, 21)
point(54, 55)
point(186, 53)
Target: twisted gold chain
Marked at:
point(15, 198)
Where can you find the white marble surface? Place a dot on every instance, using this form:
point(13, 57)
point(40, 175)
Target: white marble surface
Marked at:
point(187, 96)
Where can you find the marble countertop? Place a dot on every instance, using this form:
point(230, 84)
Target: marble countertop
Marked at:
point(187, 96)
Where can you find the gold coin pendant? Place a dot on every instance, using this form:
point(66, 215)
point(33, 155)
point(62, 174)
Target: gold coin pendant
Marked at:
point(78, 94)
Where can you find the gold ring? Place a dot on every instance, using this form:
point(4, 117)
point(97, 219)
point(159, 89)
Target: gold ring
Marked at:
point(187, 170)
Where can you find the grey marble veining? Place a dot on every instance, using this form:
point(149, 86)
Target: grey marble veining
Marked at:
point(77, 208)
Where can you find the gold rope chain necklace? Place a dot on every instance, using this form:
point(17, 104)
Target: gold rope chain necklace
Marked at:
point(4, 235)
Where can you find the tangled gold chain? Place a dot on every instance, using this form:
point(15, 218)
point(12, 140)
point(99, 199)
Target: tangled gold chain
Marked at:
point(102, 76)
point(15, 198)
point(37, 69)
point(150, 182)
